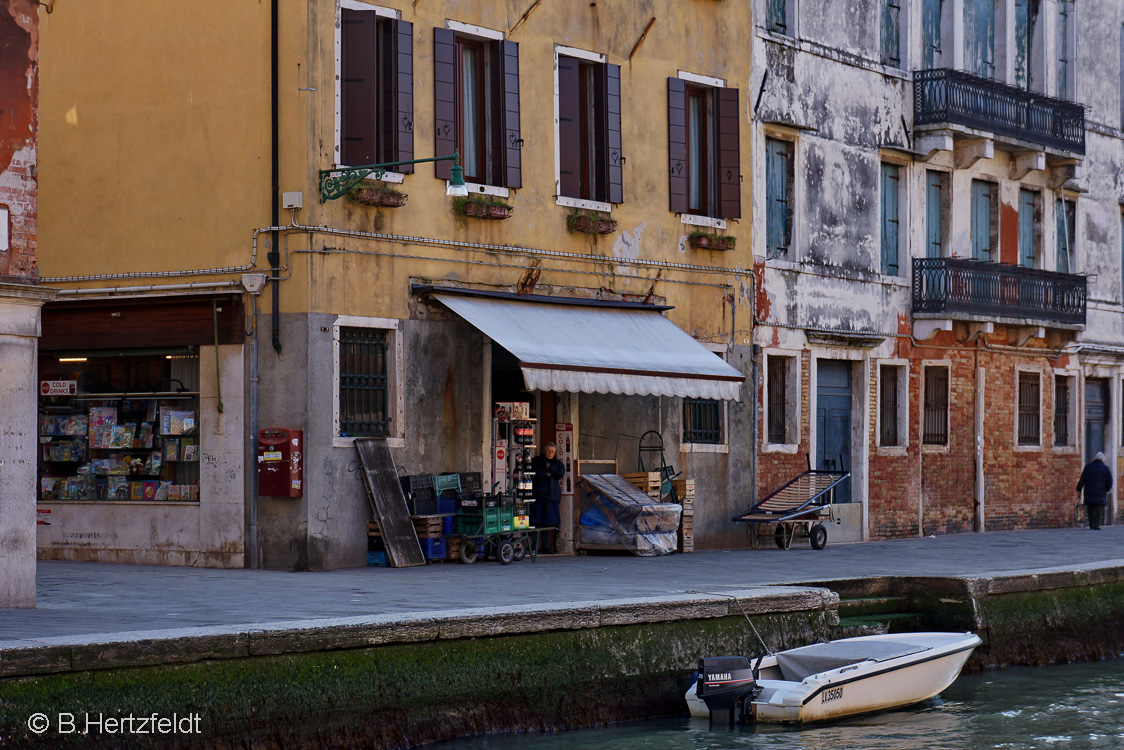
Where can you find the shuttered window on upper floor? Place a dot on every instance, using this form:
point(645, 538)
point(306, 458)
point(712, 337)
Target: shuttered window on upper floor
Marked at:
point(984, 229)
point(891, 220)
point(589, 130)
point(932, 12)
point(703, 150)
point(476, 108)
point(979, 37)
point(778, 197)
point(1067, 235)
point(891, 33)
point(1029, 227)
point(376, 90)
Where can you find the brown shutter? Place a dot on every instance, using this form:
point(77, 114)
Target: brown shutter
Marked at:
point(513, 143)
point(358, 88)
point(677, 143)
point(569, 127)
point(613, 124)
point(729, 158)
point(404, 93)
point(444, 99)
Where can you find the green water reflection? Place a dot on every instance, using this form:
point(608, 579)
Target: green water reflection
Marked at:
point(1076, 707)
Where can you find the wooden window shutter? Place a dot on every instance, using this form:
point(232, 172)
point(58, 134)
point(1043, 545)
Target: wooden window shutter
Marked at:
point(358, 88)
point(677, 144)
point(934, 233)
point(729, 155)
point(890, 219)
point(403, 53)
point(512, 142)
point(613, 125)
point(444, 99)
point(981, 220)
point(569, 127)
point(777, 211)
point(1026, 228)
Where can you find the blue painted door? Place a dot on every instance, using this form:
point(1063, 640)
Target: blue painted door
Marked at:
point(833, 420)
point(979, 37)
point(1096, 416)
point(931, 33)
point(1026, 228)
point(981, 220)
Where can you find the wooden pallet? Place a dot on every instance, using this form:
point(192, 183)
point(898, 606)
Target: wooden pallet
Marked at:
point(426, 527)
point(646, 481)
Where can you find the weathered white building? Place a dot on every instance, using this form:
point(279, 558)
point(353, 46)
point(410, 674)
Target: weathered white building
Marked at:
point(938, 234)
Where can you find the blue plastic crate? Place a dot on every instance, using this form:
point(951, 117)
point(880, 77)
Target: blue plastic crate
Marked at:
point(447, 524)
point(377, 560)
point(434, 549)
point(447, 502)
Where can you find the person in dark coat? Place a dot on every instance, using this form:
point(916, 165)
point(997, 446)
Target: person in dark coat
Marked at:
point(1096, 480)
point(546, 490)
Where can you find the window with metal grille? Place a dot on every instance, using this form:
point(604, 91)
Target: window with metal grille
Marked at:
point(888, 406)
point(935, 426)
point(363, 382)
point(891, 33)
point(1030, 405)
point(1061, 411)
point(702, 420)
point(778, 412)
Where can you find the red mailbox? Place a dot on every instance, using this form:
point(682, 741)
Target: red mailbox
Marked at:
point(279, 462)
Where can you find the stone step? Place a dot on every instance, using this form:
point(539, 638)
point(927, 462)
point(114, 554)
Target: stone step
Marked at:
point(873, 605)
point(893, 622)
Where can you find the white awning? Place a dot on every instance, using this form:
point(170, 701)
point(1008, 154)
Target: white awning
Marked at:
point(590, 349)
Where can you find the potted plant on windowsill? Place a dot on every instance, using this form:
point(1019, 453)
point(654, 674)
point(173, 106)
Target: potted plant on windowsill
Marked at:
point(481, 207)
point(704, 241)
point(377, 195)
point(590, 224)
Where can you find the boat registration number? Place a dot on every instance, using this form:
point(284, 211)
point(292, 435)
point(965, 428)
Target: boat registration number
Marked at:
point(831, 694)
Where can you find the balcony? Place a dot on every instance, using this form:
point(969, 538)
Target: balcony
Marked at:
point(964, 289)
point(953, 97)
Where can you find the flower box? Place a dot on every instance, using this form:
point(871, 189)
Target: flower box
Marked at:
point(587, 224)
point(373, 196)
point(483, 209)
point(702, 241)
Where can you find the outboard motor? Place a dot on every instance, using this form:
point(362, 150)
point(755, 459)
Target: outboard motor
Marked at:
point(726, 684)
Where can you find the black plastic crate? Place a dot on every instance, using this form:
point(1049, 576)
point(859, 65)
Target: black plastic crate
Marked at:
point(471, 482)
point(424, 503)
point(470, 502)
point(416, 482)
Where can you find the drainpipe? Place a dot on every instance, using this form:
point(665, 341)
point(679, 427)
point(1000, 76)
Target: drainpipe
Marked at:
point(274, 197)
point(255, 552)
point(981, 526)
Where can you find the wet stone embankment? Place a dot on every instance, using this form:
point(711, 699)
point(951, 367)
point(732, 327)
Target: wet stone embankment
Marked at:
point(404, 680)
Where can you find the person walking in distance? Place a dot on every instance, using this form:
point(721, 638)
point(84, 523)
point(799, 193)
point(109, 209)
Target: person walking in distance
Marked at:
point(546, 491)
point(1096, 480)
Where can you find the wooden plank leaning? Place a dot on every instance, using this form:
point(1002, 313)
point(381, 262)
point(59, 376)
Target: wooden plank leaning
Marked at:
point(388, 504)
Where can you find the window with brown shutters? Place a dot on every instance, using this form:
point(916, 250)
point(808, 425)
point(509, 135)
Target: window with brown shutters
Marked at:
point(376, 90)
point(589, 130)
point(703, 150)
point(476, 108)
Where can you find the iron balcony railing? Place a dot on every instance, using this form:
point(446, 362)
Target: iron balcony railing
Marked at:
point(990, 290)
point(953, 96)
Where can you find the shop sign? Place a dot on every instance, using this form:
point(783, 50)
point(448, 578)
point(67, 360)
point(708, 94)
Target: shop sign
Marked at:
point(58, 387)
point(42, 516)
point(273, 455)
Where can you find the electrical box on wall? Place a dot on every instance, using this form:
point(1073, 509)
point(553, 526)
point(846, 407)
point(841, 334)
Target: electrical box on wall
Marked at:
point(279, 462)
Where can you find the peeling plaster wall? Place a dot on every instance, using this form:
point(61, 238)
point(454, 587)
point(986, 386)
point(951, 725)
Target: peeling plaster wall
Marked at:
point(846, 113)
point(19, 127)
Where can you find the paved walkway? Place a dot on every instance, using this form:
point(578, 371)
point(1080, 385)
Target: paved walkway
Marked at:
point(95, 599)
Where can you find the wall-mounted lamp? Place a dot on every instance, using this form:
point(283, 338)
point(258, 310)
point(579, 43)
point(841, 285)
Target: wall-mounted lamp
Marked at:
point(335, 183)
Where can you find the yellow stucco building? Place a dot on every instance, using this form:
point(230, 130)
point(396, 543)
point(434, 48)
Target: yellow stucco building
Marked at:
point(219, 278)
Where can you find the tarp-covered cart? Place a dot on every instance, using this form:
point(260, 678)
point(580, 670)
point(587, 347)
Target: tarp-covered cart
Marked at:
point(618, 516)
point(797, 509)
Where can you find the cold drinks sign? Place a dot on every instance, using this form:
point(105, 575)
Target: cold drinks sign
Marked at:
point(58, 387)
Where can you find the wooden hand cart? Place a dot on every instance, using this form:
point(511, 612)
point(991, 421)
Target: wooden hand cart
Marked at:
point(797, 509)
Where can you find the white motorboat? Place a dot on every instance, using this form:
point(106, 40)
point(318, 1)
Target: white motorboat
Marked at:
point(828, 681)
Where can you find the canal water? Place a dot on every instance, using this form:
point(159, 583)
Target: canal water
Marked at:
point(1076, 707)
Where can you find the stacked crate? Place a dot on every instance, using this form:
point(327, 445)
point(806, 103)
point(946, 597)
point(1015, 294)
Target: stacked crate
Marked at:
point(430, 531)
point(647, 482)
point(685, 491)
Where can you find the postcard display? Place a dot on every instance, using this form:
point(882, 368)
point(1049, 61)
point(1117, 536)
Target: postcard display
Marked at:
point(136, 448)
